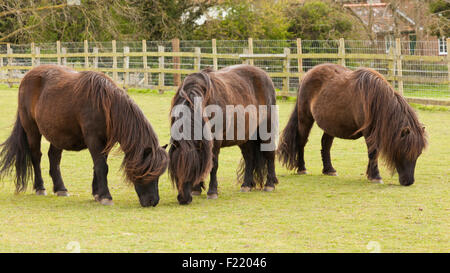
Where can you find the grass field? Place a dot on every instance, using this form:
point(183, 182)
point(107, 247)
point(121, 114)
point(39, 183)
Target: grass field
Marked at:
point(435, 91)
point(311, 213)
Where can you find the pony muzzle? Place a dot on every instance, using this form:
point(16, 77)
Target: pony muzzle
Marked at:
point(148, 194)
point(185, 195)
point(406, 172)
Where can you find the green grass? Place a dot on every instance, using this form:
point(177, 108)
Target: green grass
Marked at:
point(311, 213)
point(435, 91)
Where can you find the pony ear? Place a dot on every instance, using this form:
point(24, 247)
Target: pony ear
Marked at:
point(405, 132)
point(423, 127)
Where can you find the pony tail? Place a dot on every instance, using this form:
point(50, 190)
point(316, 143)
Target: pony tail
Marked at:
point(288, 146)
point(15, 151)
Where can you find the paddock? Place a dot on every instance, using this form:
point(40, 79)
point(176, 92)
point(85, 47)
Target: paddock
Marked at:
point(309, 213)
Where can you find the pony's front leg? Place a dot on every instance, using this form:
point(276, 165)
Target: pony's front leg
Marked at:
point(327, 141)
point(212, 189)
point(101, 172)
point(271, 176)
point(54, 156)
point(95, 185)
point(373, 174)
point(197, 189)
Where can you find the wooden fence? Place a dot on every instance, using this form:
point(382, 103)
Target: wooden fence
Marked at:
point(394, 59)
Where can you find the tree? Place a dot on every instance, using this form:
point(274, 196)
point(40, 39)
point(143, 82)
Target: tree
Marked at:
point(317, 20)
point(50, 20)
point(167, 19)
point(239, 20)
point(440, 9)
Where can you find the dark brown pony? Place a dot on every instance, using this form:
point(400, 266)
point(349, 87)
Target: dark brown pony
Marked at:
point(191, 160)
point(350, 104)
point(75, 111)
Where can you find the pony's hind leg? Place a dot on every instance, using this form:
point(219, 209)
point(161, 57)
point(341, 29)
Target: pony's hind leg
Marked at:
point(34, 142)
point(54, 156)
point(271, 176)
point(304, 128)
point(373, 173)
point(327, 141)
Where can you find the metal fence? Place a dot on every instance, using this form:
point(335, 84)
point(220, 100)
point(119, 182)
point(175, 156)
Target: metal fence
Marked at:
point(418, 70)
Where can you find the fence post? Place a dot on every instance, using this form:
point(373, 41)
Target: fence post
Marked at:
point(58, 51)
point(144, 61)
point(214, 52)
point(33, 54)
point(9, 51)
point(1, 70)
point(161, 67)
point(250, 50)
point(114, 51)
point(398, 57)
point(391, 72)
point(126, 66)
point(86, 56)
point(95, 62)
point(197, 60)
point(176, 61)
point(448, 59)
point(299, 60)
point(286, 70)
point(38, 58)
point(245, 60)
point(64, 59)
point(342, 51)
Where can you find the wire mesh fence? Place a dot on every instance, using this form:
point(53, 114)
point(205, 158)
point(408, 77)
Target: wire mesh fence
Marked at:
point(418, 68)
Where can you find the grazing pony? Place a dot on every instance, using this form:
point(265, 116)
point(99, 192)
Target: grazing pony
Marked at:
point(350, 104)
point(75, 111)
point(192, 159)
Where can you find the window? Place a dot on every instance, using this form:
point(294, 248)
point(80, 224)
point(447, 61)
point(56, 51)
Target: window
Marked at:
point(442, 46)
point(412, 43)
point(390, 42)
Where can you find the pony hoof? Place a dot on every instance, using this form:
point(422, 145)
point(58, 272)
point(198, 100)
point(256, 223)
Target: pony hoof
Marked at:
point(330, 173)
point(96, 198)
point(212, 196)
point(196, 193)
point(41, 192)
point(62, 193)
point(302, 172)
point(269, 188)
point(106, 202)
point(376, 181)
point(245, 189)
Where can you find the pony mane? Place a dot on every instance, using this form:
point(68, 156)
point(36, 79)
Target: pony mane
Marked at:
point(125, 124)
point(191, 160)
point(194, 85)
point(387, 114)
